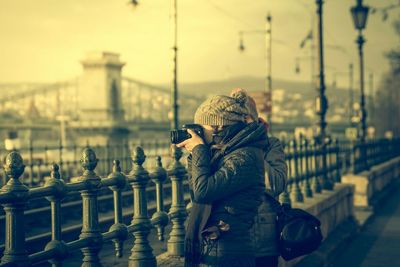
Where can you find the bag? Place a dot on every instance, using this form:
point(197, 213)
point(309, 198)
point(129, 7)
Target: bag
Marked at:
point(299, 232)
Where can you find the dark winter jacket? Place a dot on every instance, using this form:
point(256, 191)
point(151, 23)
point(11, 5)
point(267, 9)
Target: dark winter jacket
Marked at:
point(233, 185)
point(264, 230)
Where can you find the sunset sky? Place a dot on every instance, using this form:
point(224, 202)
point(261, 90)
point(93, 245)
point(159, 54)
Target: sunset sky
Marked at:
point(44, 40)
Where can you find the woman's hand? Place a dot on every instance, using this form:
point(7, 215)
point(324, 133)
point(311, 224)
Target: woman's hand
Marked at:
point(192, 142)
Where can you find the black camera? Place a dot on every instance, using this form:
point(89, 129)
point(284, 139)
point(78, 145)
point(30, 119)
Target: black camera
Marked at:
point(178, 136)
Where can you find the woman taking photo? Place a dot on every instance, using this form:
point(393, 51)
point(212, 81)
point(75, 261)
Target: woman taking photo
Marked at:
point(226, 177)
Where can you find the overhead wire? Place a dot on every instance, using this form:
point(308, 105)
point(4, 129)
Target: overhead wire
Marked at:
point(230, 15)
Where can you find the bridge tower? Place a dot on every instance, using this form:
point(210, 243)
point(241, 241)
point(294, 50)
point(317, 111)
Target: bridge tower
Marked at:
point(101, 115)
point(100, 92)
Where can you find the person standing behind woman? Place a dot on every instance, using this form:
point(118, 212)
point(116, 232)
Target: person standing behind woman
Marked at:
point(264, 232)
point(226, 177)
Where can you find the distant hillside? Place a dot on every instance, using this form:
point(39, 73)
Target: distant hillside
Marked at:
point(294, 102)
point(255, 84)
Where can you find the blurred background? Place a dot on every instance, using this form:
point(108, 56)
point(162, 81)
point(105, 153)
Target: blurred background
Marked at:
point(112, 73)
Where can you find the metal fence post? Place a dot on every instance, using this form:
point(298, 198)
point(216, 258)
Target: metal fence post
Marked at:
point(284, 198)
point(31, 182)
point(295, 194)
point(90, 216)
point(61, 147)
point(55, 202)
point(330, 162)
point(338, 162)
point(306, 183)
point(118, 225)
point(142, 253)
point(327, 183)
point(160, 218)
point(177, 212)
point(316, 185)
point(14, 244)
point(107, 160)
point(75, 163)
point(357, 158)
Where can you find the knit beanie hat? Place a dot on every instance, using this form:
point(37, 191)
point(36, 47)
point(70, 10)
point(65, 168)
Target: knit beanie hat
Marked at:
point(250, 103)
point(222, 110)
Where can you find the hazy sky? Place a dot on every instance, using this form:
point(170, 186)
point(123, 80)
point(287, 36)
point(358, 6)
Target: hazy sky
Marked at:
point(44, 40)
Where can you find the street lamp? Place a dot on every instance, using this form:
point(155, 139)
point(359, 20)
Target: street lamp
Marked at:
point(321, 102)
point(298, 60)
point(133, 3)
point(267, 56)
point(360, 14)
point(241, 45)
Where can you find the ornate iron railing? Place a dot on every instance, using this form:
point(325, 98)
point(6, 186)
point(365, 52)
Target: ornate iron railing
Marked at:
point(307, 174)
point(14, 196)
point(373, 152)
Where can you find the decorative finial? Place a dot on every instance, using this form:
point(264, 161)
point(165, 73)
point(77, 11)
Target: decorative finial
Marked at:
point(176, 152)
point(159, 162)
point(89, 160)
point(305, 142)
point(159, 174)
point(138, 156)
point(14, 165)
point(293, 143)
point(55, 174)
point(116, 166)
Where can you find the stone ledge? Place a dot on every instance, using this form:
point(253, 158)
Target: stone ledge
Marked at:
point(325, 200)
point(364, 214)
point(369, 183)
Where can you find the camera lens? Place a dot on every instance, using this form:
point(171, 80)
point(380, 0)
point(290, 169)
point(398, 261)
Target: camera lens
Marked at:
point(178, 136)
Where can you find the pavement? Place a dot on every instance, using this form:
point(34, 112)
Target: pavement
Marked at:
point(378, 242)
point(107, 254)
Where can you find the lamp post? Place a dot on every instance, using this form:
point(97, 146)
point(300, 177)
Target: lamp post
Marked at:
point(267, 56)
point(360, 14)
point(351, 93)
point(371, 97)
point(174, 87)
point(173, 114)
point(268, 60)
point(321, 101)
